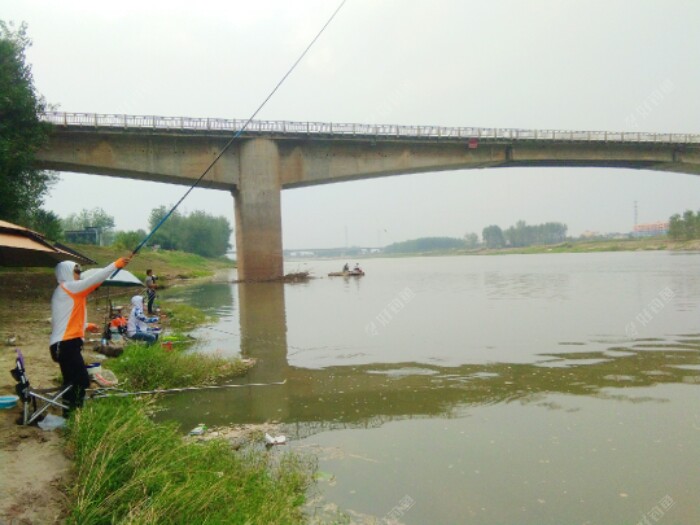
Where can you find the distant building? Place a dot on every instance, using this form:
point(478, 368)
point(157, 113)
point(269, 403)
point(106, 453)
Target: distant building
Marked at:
point(651, 229)
point(90, 235)
point(87, 236)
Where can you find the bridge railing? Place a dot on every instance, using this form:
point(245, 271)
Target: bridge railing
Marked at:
point(293, 128)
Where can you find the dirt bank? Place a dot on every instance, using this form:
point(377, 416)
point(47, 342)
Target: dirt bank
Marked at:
point(33, 463)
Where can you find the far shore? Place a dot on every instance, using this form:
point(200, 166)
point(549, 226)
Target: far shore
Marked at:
point(571, 246)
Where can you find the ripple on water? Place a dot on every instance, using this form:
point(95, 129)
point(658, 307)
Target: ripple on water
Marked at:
point(618, 353)
point(567, 363)
point(685, 367)
point(403, 372)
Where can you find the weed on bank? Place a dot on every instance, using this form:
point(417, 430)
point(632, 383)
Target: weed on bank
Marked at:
point(132, 470)
point(143, 367)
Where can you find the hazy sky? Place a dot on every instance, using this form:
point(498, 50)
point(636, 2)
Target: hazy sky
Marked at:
point(583, 65)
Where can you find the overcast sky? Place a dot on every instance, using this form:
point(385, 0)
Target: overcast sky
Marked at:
point(582, 65)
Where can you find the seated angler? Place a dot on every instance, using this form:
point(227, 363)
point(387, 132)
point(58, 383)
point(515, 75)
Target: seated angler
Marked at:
point(137, 327)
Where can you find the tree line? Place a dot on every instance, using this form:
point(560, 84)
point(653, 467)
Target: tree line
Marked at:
point(198, 232)
point(425, 244)
point(522, 234)
point(684, 227)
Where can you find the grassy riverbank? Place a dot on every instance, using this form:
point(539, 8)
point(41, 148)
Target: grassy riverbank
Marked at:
point(606, 245)
point(573, 246)
point(131, 470)
point(168, 264)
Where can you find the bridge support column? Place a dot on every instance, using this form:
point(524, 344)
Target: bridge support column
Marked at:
point(259, 212)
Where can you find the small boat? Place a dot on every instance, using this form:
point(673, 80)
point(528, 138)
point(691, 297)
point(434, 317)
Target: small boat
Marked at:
point(349, 273)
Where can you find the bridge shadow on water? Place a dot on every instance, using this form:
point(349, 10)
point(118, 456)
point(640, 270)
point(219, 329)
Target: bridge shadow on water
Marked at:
point(368, 395)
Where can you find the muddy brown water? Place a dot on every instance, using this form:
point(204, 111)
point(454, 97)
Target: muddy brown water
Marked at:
point(529, 389)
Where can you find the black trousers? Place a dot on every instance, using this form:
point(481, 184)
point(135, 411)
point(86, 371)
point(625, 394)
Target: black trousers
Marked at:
point(70, 359)
point(151, 298)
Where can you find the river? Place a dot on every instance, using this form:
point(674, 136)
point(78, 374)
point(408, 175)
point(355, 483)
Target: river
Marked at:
point(528, 389)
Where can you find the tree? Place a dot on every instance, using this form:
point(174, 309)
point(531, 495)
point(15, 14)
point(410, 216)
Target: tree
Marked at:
point(425, 244)
point(21, 131)
point(205, 235)
point(95, 218)
point(471, 240)
point(167, 235)
point(48, 223)
point(493, 237)
point(198, 233)
point(686, 227)
point(689, 225)
point(523, 235)
point(675, 227)
point(129, 239)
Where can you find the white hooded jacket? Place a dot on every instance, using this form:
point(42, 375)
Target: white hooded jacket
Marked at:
point(68, 304)
point(138, 322)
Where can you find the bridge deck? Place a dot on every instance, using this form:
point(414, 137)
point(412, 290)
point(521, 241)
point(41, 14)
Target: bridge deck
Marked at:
point(333, 130)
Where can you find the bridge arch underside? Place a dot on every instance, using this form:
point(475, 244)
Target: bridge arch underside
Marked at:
point(256, 168)
point(181, 158)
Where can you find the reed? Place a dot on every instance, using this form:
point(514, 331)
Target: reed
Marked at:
point(131, 470)
point(150, 367)
point(181, 316)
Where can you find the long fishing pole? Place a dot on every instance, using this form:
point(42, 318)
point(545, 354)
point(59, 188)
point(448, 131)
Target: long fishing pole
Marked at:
point(237, 134)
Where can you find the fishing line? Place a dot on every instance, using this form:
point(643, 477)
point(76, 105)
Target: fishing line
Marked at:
point(99, 393)
point(237, 134)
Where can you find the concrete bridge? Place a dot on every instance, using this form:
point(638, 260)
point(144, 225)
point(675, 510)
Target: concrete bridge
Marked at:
point(274, 155)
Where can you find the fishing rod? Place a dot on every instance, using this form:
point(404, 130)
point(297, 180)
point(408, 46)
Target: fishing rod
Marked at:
point(236, 135)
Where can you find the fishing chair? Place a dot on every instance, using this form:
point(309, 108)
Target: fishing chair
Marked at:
point(35, 401)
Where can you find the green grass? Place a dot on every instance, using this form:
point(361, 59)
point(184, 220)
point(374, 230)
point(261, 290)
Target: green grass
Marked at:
point(165, 264)
point(182, 317)
point(133, 471)
point(143, 367)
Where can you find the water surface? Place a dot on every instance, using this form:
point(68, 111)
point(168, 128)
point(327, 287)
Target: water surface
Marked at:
point(528, 389)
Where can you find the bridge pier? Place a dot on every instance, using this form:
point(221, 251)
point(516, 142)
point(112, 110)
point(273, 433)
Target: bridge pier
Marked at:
point(259, 212)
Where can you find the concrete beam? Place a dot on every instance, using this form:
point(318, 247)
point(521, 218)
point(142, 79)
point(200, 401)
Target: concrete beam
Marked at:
point(162, 158)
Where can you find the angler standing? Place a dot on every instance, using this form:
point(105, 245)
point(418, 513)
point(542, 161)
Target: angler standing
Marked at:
point(68, 324)
point(151, 289)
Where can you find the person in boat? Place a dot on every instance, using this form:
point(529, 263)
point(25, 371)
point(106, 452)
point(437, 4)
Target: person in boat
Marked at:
point(346, 268)
point(68, 325)
point(137, 326)
point(357, 268)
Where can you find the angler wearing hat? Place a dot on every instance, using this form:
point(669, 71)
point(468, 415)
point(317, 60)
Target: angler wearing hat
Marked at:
point(68, 324)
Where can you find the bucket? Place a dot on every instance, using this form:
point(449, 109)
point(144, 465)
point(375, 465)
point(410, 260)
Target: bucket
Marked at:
point(94, 368)
point(8, 401)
